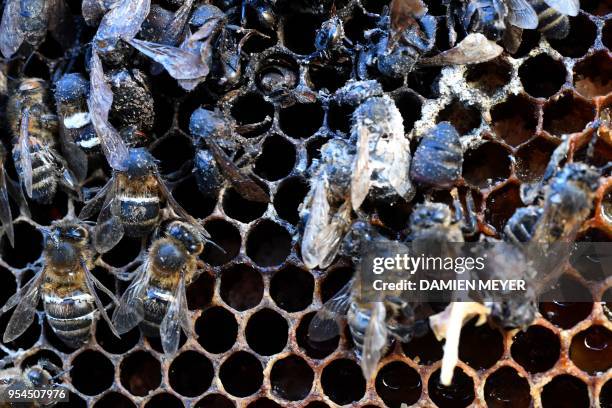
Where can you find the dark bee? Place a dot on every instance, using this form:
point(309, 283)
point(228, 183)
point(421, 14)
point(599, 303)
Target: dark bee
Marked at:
point(156, 298)
point(260, 13)
point(8, 187)
point(553, 16)
point(40, 167)
point(42, 374)
point(66, 285)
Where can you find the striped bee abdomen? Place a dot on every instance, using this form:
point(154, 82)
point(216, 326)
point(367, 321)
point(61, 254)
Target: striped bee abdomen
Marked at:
point(551, 23)
point(138, 215)
point(44, 174)
point(70, 317)
point(155, 306)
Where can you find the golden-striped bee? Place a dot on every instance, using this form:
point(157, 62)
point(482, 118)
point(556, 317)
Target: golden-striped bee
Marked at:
point(156, 298)
point(65, 284)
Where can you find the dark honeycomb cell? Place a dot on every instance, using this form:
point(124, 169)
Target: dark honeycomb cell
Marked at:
point(591, 349)
point(241, 287)
point(459, 394)
point(514, 120)
point(592, 75)
point(115, 400)
point(291, 378)
point(424, 349)
point(330, 77)
point(505, 388)
point(542, 76)
point(173, 152)
point(565, 391)
point(425, 81)
point(42, 355)
point(301, 120)
point(7, 285)
point(164, 400)
point(343, 382)
point(46, 214)
point(216, 329)
point(532, 158)
point(537, 349)
point(240, 209)
point(109, 342)
point(486, 165)
point(277, 158)
point(225, 235)
point(567, 314)
point(74, 401)
point(140, 373)
point(567, 114)
point(276, 73)
point(241, 374)
point(200, 292)
point(605, 395)
point(215, 401)
point(299, 31)
point(123, 253)
point(317, 404)
point(580, 38)
point(193, 201)
point(479, 357)
point(335, 279)
point(596, 7)
point(267, 332)
point(252, 122)
point(409, 104)
point(339, 117)
point(606, 35)
point(268, 243)
point(288, 198)
point(489, 76)
point(263, 403)
point(91, 372)
point(26, 236)
point(313, 148)
point(464, 118)
point(292, 288)
point(397, 383)
point(394, 213)
point(191, 373)
point(357, 24)
point(501, 204)
point(588, 261)
point(314, 349)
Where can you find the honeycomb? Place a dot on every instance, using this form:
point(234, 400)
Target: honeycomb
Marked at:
point(252, 304)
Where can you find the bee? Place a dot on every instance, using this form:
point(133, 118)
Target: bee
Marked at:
point(66, 286)
point(34, 127)
point(553, 16)
point(42, 374)
point(156, 298)
point(9, 187)
point(262, 12)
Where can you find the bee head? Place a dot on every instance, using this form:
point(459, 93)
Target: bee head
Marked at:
point(37, 376)
point(187, 236)
point(140, 163)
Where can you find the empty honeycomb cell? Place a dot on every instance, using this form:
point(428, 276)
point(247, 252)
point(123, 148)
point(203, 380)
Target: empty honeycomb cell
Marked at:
point(241, 209)
point(514, 120)
point(277, 73)
point(288, 198)
point(506, 388)
point(263, 403)
point(200, 292)
point(36, 67)
point(8, 286)
point(532, 158)
point(313, 148)
point(566, 314)
point(225, 235)
point(486, 165)
point(164, 400)
point(46, 214)
point(343, 382)
point(409, 104)
point(301, 120)
point(314, 349)
point(425, 349)
point(291, 378)
point(241, 287)
point(26, 236)
point(173, 152)
point(277, 158)
point(192, 200)
point(329, 76)
point(299, 32)
point(588, 260)
point(91, 372)
point(140, 373)
point(591, 349)
point(425, 81)
point(123, 253)
point(606, 298)
point(357, 24)
point(605, 395)
point(606, 206)
point(606, 35)
point(501, 205)
point(567, 114)
point(592, 75)
point(459, 394)
point(317, 404)
point(397, 383)
point(580, 38)
point(339, 117)
point(115, 400)
point(253, 114)
point(268, 243)
point(542, 76)
point(216, 329)
point(394, 213)
point(480, 357)
point(490, 76)
point(375, 6)
point(335, 279)
point(565, 391)
point(109, 342)
point(537, 349)
point(596, 7)
point(215, 401)
point(267, 332)
point(464, 118)
point(292, 288)
point(74, 401)
point(241, 374)
point(191, 373)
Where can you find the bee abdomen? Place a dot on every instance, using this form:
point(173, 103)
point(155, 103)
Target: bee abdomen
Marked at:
point(551, 23)
point(138, 214)
point(71, 317)
point(155, 307)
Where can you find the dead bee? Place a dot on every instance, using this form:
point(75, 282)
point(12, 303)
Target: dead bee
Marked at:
point(211, 135)
point(553, 16)
point(42, 374)
point(66, 285)
point(40, 167)
point(262, 12)
point(29, 21)
point(156, 298)
point(438, 159)
point(8, 187)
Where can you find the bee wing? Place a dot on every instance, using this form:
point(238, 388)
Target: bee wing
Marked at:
point(331, 236)
point(75, 156)
point(170, 328)
point(361, 178)
point(569, 7)
point(11, 35)
point(91, 282)
point(398, 173)
point(124, 19)
point(5, 208)
point(521, 14)
point(109, 229)
point(60, 23)
point(26, 300)
point(375, 339)
point(177, 26)
point(243, 184)
point(473, 49)
point(318, 218)
point(97, 202)
point(324, 324)
point(99, 104)
point(130, 311)
point(25, 159)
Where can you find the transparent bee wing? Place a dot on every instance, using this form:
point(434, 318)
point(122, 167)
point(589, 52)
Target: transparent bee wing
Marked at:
point(184, 308)
point(25, 159)
point(521, 14)
point(124, 19)
point(324, 324)
point(175, 29)
point(109, 229)
point(99, 103)
point(473, 49)
point(16, 192)
point(397, 171)
point(318, 217)
point(375, 340)
point(11, 35)
point(91, 282)
point(5, 209)
point(170, 328)
point(26, 300)
point(130, 311)
point(61, 25)
point(361, 178)
point(569, 7)
point(332, 234)
point(97, 202)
